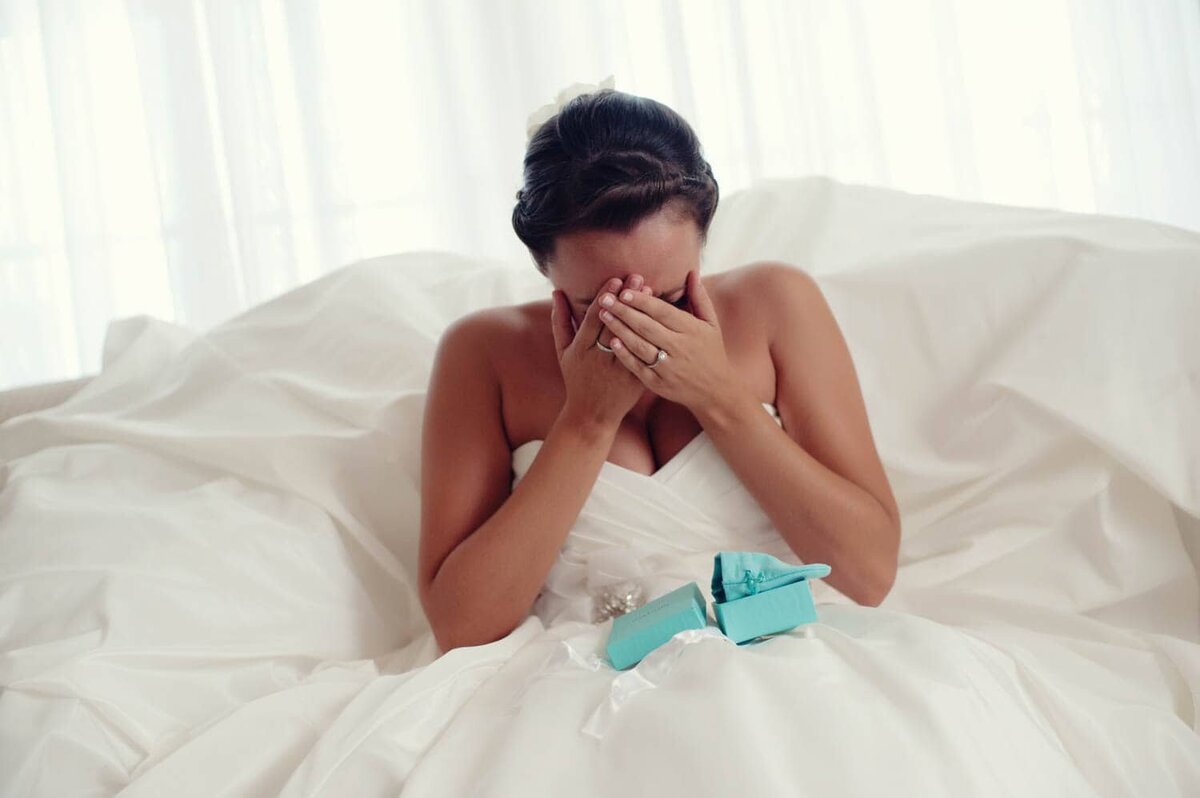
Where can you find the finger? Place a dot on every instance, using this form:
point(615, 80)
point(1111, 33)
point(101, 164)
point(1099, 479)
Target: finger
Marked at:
point(632, 362)
point(635, 282)
point(560, 322)
point(591, 327)
point(615, 288)
point(646, 315)
point(630, 282)
point(606, 331)
point(634, 342)
point(700, 300)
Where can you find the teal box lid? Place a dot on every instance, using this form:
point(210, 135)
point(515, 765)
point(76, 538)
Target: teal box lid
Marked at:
point(776, 610)
point(637, 633)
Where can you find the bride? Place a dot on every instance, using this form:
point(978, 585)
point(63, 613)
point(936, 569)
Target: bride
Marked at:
point(588, 453)
point(632, 358)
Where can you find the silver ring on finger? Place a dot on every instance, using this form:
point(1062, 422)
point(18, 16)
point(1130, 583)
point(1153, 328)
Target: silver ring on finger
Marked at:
point(602, 347)
point(662, 355)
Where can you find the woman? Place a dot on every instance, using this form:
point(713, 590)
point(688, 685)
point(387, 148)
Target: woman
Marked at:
point(572, 470)
point(632, 357)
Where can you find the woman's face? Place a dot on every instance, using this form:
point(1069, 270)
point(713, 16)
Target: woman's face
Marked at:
point(662, 248)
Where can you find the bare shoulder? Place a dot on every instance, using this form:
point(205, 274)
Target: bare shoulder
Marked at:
point(494, 331)
point(511, 351)
point(767, 276)
point(771, 291)
point(480, 326)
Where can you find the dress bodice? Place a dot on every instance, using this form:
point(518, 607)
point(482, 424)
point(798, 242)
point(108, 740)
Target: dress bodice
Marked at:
point(658, 531)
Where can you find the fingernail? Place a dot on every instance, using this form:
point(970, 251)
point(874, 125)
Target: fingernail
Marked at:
point(635, 281)
point(615, 343)
point(604, 314)
point(627, 295)
point(606, 300)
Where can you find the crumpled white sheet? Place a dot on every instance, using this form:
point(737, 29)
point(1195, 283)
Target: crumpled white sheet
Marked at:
point(207, 556)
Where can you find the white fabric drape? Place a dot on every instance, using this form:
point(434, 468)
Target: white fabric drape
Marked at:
point(189, 159)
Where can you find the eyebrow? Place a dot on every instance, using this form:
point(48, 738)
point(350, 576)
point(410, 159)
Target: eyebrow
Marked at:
point(588, 300)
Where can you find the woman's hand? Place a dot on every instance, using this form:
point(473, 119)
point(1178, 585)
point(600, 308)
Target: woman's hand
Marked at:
point(599, 389)
point(696, 372)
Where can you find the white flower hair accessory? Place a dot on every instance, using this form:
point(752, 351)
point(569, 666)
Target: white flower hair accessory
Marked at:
point(539, 117)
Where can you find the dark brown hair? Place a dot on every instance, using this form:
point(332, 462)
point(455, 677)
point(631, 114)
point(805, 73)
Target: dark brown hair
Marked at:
point(606, 161)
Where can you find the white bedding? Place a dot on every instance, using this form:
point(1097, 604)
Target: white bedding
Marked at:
point(207, 556)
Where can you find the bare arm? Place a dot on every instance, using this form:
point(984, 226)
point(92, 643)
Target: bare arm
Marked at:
point(819, 478)
point(826, 490)
point(485, 554)
point(485, 551)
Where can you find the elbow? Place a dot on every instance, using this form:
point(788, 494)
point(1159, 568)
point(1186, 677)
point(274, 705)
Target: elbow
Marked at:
point(879, 591)
point(447, 639)
point(448, 634)
point(450, 637)
point(874, 595)
point(445, 631)
point(888, 565)
point(446, 623)
point(441, 617)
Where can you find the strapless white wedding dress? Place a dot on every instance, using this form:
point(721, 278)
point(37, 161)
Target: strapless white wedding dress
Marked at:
point(658, 531)
point(864, 702)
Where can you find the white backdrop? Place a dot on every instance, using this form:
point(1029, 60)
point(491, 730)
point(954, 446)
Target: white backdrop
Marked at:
point(187, 159)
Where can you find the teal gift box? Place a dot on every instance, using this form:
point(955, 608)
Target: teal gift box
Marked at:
point(756, 594)
point(637, 633)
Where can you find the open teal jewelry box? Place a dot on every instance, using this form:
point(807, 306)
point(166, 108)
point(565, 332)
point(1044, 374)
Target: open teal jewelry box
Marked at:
point(754, 594)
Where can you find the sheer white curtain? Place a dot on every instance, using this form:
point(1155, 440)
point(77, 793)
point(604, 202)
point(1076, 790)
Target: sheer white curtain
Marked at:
point(188, 159)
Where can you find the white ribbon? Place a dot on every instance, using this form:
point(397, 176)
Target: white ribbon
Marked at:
point(539, 117)
point(646, 675)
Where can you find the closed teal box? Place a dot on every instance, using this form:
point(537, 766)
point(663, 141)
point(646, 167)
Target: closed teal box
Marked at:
point(776, 610)
point(635, 634)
